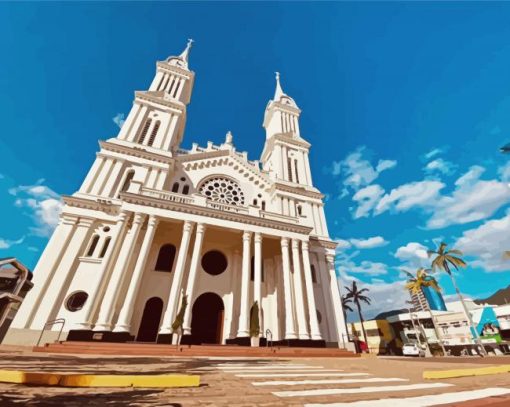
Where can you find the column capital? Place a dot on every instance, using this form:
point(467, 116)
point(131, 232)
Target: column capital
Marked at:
point(285, 242)
point(305, 245)
point(188, 225)
point(295, 244)
point(68, 220)
point(153, 221)
point(246, 235)
point(200, 227)
point(87, 222)
point(138, 218)
point(258, 237)
point(330, 258)
point(123, 215)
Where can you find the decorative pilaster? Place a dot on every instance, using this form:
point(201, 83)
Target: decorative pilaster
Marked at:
point(337, 303)
point(168, 317)
point(245, 279)
point(197, 251)
point(257, 280)
point(298, 292)
point(290, 330)
point(312, 309)
point(126, 313)
point(104, 321)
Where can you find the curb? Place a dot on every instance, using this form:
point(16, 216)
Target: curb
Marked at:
point(479, 371)
point(79, 380)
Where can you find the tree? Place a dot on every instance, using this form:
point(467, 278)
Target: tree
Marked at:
point(443, 261)
point(416, 284)
point(346, 306)
point(357, 297)
point(179, 319)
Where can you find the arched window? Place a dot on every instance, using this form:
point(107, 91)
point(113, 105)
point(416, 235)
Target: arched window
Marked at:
point(255, 202)
point(92, 246)
point(154, 133)
point(166, 258)
point(175, 187)
point(144, 131)
point(127, 181)
point(299, 210)
point(314, 274)
point(185, 190)
point(105, 247)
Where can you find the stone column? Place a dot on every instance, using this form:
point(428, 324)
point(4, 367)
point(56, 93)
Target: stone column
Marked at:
point(257, 274)
point(243, 330)
point(290, 330)
point(315, 332)
point(126, 313)
point(63, 275)
point(97, 289)
point(170, 312)
point(337, 303)
point(119, 274)
point(197, 251)
point(298, 292)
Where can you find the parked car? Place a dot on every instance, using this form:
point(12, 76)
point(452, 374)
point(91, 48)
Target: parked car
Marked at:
point(413, 349)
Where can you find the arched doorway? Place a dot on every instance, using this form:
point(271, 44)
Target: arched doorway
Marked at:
point(207, 319)
point(151, 317)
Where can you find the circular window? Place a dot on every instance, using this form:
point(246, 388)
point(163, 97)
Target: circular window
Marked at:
point(319, 317)
point(106, 229)
point(76, 301)
point(214, 262)
point(222, 190)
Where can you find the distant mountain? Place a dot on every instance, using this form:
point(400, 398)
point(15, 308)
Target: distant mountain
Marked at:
point(386, 314)
point(500, 297)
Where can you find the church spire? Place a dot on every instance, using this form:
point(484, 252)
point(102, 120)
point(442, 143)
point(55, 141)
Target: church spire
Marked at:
point(185, 53)
point(278, 93)
point(181, 60)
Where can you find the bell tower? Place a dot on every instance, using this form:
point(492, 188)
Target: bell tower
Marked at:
point(285, 153)
point(158, 116)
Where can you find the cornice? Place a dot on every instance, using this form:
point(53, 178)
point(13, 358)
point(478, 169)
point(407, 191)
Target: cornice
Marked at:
point(290, 139)
point(170, 103)
point(102, 205)
point(184, 73)
point(298, 190)
point(327, 244)
point(135, 151)
point(213, 213)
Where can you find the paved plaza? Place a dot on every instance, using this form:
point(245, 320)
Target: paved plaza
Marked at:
point(356, 382)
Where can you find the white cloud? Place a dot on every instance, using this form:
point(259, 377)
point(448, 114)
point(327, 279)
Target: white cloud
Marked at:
point(44, 203)
point(370, 243)
point(413, 255)
point(422, 193)
point(358, 171)
point(440, 165)
point(7, 244)
point(504, 172)
point(342, 244)
point(345, 265)
point(367, 198)
point(434, 152)
point(487, 243)
point(119, 119)
point(472, 200)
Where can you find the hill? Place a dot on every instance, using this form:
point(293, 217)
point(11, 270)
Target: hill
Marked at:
point(500, 297)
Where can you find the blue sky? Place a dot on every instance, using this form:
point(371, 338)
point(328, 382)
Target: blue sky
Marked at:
point(405, 104)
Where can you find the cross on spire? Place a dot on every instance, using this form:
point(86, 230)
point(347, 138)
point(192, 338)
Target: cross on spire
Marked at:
point(278, 91)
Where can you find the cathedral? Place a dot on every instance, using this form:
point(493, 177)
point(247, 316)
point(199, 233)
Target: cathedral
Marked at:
point(153, 222)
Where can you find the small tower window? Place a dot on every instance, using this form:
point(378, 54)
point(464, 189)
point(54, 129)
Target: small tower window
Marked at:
point(166, 258)
point(299, 210)
point(105, 247)
point(296, 169)
point(314, 274)
point(175, 187)
point(127, 181)
point(289, 168)
point(154, 133)
point(144, 131)
point(177, 89)
point(255, 202)
point(263, 205)
point(185, 190)
point(93, 244)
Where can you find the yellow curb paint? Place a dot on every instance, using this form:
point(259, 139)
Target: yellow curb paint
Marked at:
point(78, 380)
point(479, 371)
point(130, 381)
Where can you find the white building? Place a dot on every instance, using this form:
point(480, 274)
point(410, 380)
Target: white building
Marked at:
point(152, 222)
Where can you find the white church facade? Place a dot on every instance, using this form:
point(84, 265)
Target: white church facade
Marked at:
point(153, 222)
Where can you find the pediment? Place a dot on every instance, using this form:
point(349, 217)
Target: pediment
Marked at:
point(225, 162)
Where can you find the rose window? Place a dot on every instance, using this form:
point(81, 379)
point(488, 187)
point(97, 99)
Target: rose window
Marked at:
point(222, 190)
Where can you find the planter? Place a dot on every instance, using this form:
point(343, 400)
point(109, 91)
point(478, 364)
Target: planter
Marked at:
point(255, 341)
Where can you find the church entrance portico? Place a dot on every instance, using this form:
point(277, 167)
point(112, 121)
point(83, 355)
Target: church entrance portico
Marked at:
point(207, 317)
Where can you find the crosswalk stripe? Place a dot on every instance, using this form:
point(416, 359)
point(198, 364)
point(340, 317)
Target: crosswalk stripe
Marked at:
point(371, 389)
point(301, 374)
point(290, 371)
point(424, 401)
point(271, 367)
point(334, 381)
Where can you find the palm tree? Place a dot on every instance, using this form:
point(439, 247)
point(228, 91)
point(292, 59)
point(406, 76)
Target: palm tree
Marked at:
point(346, 306)
point(443, 261)
point(415, 284)
point(357, 297)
